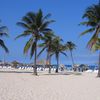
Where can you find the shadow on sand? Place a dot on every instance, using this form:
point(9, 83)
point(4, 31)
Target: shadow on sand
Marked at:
point(15, 72)
point(40, 74)
point(65, 73)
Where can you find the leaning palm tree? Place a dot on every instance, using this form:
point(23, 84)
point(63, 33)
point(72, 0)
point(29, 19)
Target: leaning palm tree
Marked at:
point(96, 47)
point(56, 49)
point(92, 14)
point(35, 25)
point(71, 46)
point(47, 44)
point(3, 32)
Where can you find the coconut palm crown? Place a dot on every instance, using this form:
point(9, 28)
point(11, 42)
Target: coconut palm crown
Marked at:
point(92, 16)
point(3, 32)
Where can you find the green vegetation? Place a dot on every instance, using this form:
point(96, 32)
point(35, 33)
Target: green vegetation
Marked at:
point(47, 45)
point(71, 46)
point(92, 15)
point(3, 32)
point(56, 49)
point(96, 47)
point(36, 25)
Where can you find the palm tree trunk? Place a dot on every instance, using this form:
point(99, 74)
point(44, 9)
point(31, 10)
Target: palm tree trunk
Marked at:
point(49, 64)
point(57, 57)
point(49, 60)
point(35, 59)
point(99, 66)
point(72, 59)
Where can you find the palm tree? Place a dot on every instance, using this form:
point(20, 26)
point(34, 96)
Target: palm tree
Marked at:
point(96, 47)
point(92, 15)
point(36, 25)
point(3, 32)
point(56, 49)
point(71, 46)
point(48, 38)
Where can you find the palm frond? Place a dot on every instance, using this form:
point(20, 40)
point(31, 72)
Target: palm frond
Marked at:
point(46, 30)
point(87, 31)
point(28, 45)
point(31, 16)
point(2, 44)
point(96, 46)
point(32, 49)
point(92, 41)
point(24, 34)
point(45, 24)
point(3, 31)
point(51, 54)
point(41, 45)
point(4, 34)
point(70, 46)
point(46, 17)
point(27, 20)
point(88, 23)
point(94, 38)
point(41, 51)
point(24, 25)
point(64, 54)
point(39, 18)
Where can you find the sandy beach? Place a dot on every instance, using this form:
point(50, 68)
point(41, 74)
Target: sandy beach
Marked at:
point(25, 86)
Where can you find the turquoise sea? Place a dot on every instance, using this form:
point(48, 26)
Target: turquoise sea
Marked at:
point(92, 67)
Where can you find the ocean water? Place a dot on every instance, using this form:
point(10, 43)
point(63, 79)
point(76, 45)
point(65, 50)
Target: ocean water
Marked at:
point(91, 67)
point(68, 67)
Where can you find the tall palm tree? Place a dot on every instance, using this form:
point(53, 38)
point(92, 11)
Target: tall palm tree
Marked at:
point(3, 32)
point(47, 44)
point(71, 46)
point(56, 49)
point(35, 25)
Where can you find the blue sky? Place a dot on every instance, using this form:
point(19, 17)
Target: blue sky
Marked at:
point(67, 13)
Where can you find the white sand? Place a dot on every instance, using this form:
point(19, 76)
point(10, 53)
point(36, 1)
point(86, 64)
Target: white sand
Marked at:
point(25, 86)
